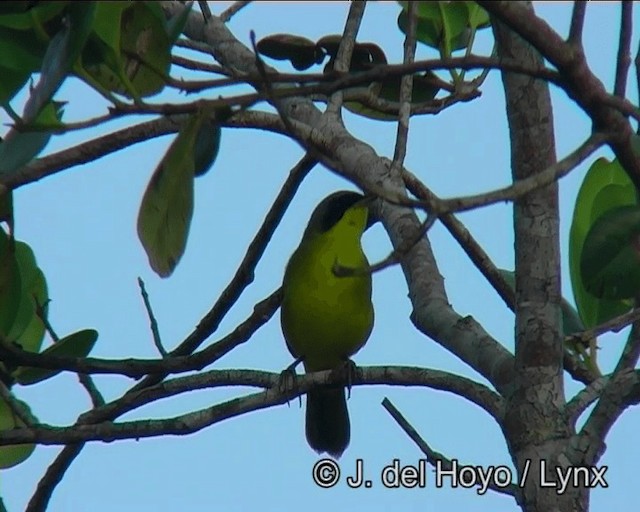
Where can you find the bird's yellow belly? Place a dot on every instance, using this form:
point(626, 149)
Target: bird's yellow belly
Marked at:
point(326, 319)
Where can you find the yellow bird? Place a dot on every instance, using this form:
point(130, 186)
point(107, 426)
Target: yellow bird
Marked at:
point(325, 318)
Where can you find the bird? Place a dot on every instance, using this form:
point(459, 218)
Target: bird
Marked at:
point(326, 318)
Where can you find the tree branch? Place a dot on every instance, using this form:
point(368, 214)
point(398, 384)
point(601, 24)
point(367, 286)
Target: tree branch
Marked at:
point(192, 422)
point(624, 53)
point(579, 82)
point(434, 458)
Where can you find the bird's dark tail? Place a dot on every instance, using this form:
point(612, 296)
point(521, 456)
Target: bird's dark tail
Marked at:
point(327, 421)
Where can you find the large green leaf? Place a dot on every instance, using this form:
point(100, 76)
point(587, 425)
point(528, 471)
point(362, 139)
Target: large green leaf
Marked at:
point(78, 344)
point(167, 205)
point(606, 186)
point(12, 455)
point(610, 263)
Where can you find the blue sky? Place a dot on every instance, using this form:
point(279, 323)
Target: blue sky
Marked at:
point(82, 226)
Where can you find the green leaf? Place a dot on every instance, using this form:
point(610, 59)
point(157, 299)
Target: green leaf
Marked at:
point(62, 52)
point(606, 186)
point(12, 455)
point(439, 23)
point(167, 205)
point(477, 16)
point(130, 49)
point(206, 147)
point(78, 344)
point(610, 263)
point(20, 50)
point(20, 55)
point(21, 145)
point(146, 49)
point(10, 284)
point(28, 328)
point(36, 15)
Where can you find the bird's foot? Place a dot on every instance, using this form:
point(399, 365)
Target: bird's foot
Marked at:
point(350, 374)
point(288, 380)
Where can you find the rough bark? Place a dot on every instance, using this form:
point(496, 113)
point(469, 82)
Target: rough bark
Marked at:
point(534, 425)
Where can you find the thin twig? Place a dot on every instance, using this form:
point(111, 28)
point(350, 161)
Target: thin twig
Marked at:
point(206, 12)
point(631, 351)
point(406, 91)
point(434, 458)
point(155, 332)
point(522, 187)
point(469, 245)
point(583, 399)
point(52, 477)
point(577, 22)
point(196, 65)
point(624, 53)
point(342, 60)
point(137, 368)
point(614, 325)
point(233, 9)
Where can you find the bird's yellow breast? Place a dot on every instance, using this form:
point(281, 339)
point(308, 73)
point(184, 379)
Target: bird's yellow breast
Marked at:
point(326, 318)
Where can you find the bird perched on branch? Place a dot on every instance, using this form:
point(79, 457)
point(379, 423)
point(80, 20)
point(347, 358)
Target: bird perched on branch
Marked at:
point(326, 317)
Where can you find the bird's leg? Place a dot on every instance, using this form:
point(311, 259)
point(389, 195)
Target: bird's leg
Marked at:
point(288, 380)
point(350, 373)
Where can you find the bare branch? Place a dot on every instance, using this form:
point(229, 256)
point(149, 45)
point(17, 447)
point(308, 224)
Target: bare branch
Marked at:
point(406, 90)
point(206, 12)
point(233, 9)
point(577, 23)
point(624, 53)
point(153, 323)
point(149, 367)
point(89, 151)
point(579, 81)
point(194, 421)
point(620, 392)
point(345, 50)
point(614, 325)
point(576, 406)
point(52, 477)
point(524, 186)
point(434, 458)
